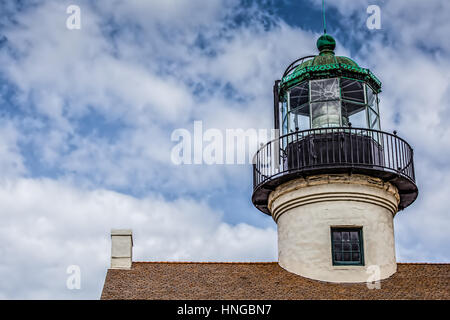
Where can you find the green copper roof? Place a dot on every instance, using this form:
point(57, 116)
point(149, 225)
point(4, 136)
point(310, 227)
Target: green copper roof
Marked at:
point(327, 65)
point(324, 59)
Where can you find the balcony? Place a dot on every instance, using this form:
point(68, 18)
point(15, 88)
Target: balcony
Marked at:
point(334, 150)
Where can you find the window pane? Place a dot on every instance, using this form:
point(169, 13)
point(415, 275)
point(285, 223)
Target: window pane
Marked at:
point(352, 90)
point(325, 114)
point(347, 246)
point(284, 117)
point(303, 122)
point(345, 236)
point(285, 124)
point(298, 121)
point(374, 122)
point(299, 95)
point(359, 120)
point(302, 110)
point(376, 105)
point(300, 117)
point(291, 122)
point(336, 236)
point(354, 113)
point(324, 90)
point(352, 108)
point(374, 119)
point(371, 96)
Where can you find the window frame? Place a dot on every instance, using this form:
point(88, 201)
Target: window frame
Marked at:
point(361, 246)
point(339, 99)
point(285, 118)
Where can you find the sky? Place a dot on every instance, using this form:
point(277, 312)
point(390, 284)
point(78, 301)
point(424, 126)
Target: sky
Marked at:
point(86, 118)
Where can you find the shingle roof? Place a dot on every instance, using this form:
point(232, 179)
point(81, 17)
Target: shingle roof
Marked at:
point(265, 280)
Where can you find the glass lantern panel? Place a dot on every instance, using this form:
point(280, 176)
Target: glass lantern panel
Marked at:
point(372, 101)
point(352, 90)
point(291, 123)
point(302, 122)
point(300, 116)
point(324, 90)
point(301, 110)
point(377, 105)
point(325, 114)
point(354, 113)
point(371, 97)
point(283, 109)
point(299, 95)
point(284, 125)
point(374, 120)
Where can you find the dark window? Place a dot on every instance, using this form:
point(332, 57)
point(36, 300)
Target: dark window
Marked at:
point(347, 246)
point(299, 98)
point(352, 90)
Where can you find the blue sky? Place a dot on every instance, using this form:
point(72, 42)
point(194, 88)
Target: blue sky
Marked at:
point(86, 118)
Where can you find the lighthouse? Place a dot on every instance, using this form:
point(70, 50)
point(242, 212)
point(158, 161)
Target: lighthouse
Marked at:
point(332, 180)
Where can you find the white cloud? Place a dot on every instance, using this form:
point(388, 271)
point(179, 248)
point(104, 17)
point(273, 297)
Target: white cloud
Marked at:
point(49, 225)
point(144, 85)
point(138, 67)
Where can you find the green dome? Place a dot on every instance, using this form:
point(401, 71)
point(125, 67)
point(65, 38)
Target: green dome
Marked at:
point(325, 59)
point(327, 65)
point(326, 43)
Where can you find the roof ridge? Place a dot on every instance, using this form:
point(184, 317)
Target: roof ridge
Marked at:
point(425, 263)
point(209, 262)
point(270, 262)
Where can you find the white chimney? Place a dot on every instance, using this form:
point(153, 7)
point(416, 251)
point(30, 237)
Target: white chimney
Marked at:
point(121, 248)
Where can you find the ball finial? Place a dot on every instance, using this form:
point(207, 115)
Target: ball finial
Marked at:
point(326, 43)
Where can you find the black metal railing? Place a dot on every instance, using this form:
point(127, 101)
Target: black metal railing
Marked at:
point(328, 150)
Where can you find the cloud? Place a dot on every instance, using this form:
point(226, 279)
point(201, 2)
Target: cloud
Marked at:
point(11, 160)
point(133, 93)
point(48, 225)
point(97, 109)
point(87, 117)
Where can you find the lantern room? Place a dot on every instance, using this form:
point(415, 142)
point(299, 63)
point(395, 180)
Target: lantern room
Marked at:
point(327, 91)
